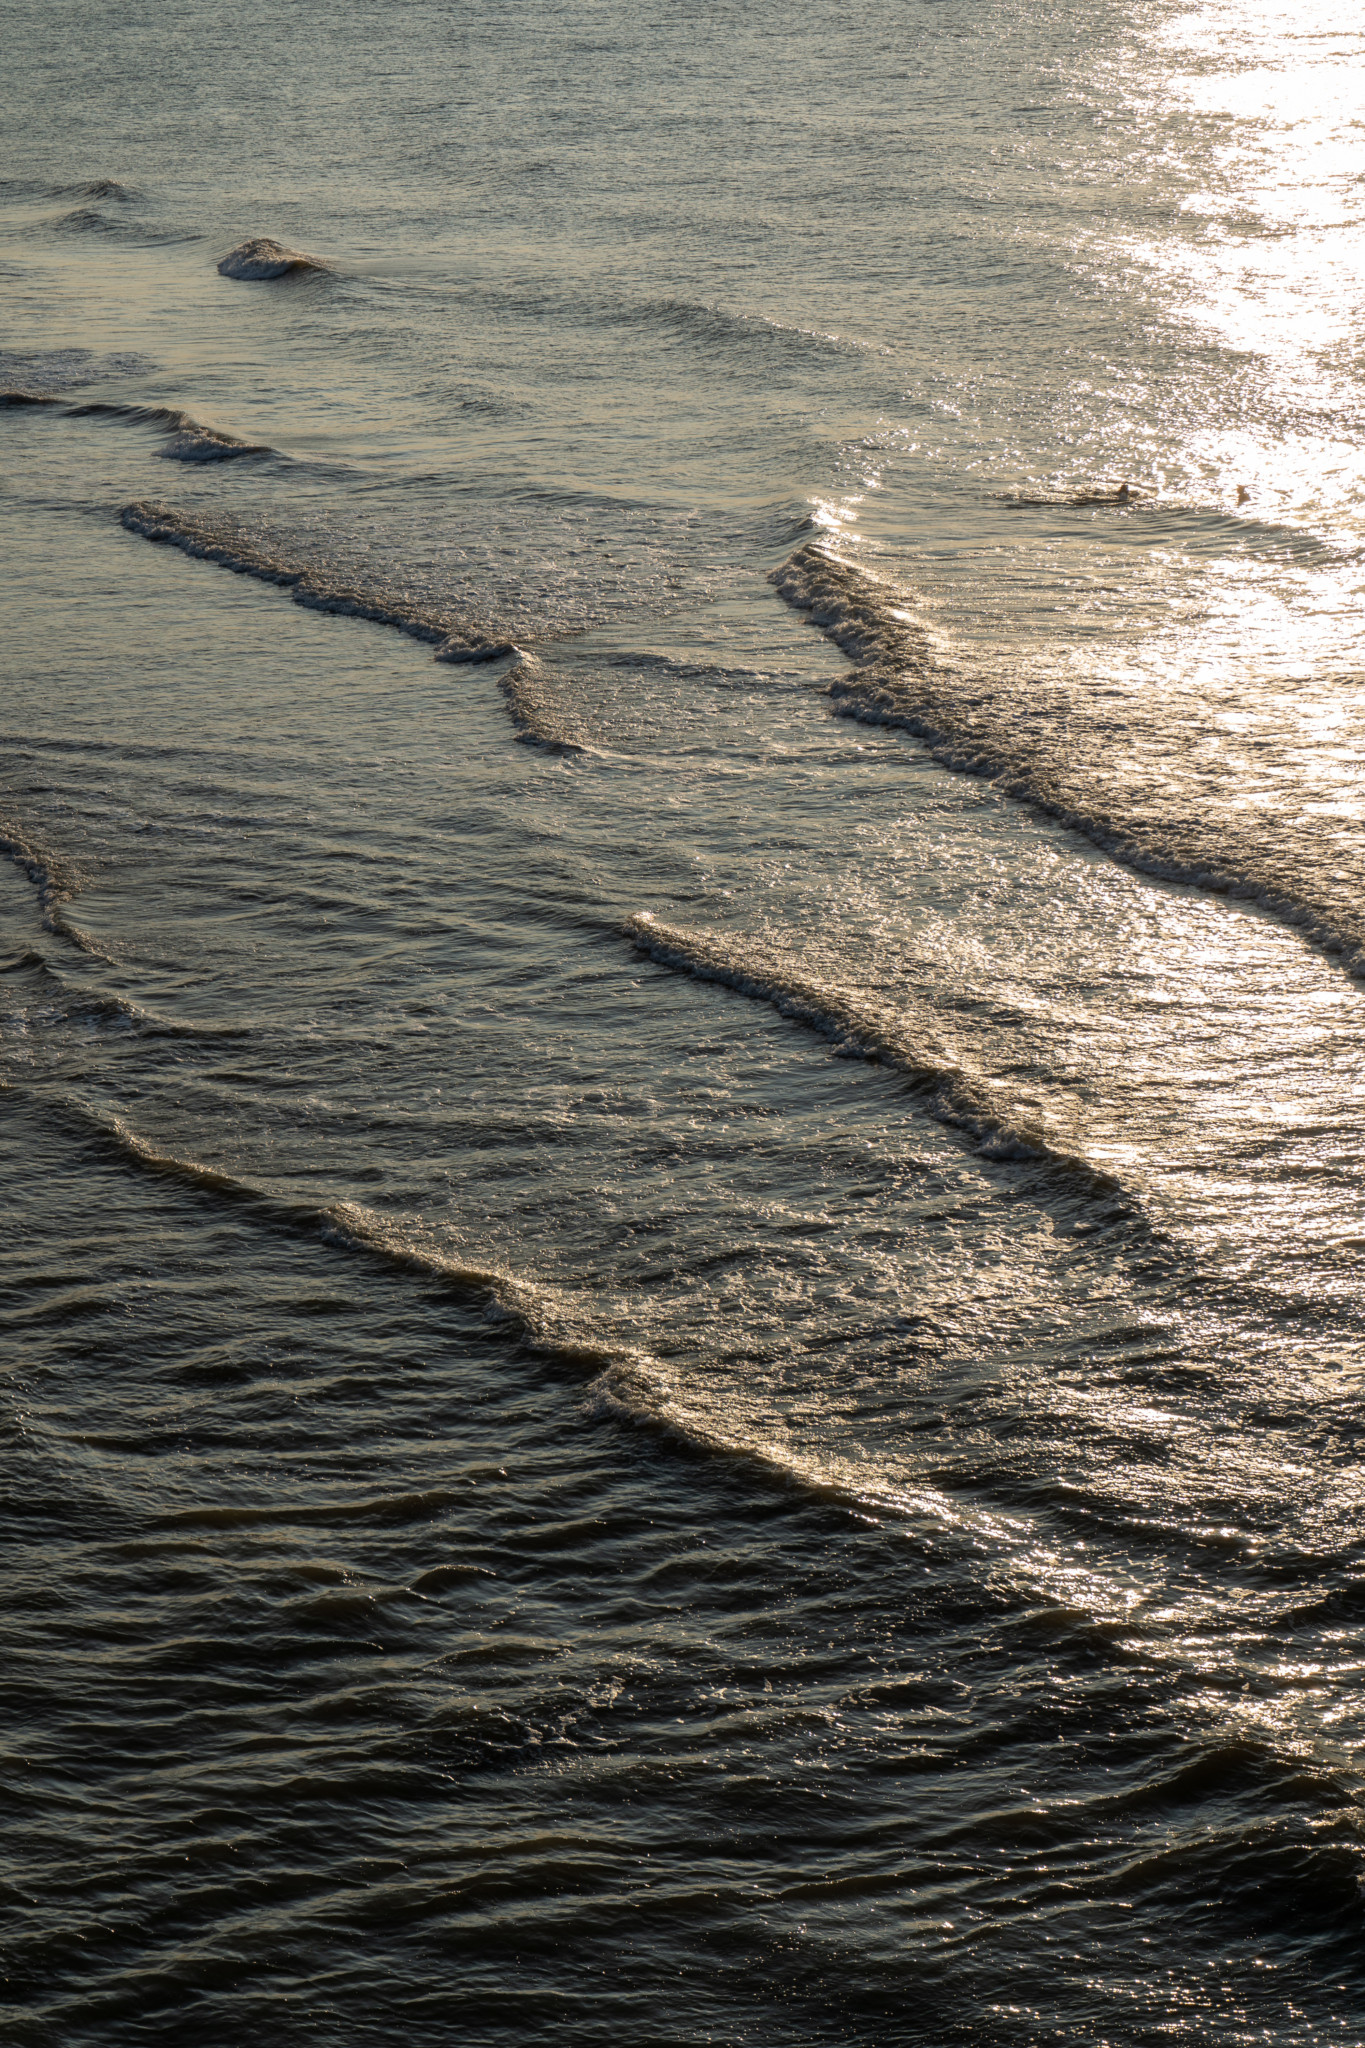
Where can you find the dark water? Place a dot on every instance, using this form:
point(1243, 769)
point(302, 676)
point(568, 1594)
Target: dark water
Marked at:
point(681, 1064)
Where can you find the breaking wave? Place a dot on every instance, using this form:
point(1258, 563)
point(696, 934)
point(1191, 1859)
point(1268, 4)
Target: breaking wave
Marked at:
point(190, 440)
point(455, 637)
point(536, 710)
point(908, 1036)
point(1157, 798)
point(259, 260)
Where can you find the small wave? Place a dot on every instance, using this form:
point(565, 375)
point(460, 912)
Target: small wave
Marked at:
point(541, 1315)
point(868, 619)
point(191, 440)
point(259, 260)
point(455, 638)
point(1129, 792)
point(1123, 496)
point(537, 715)
point(905, 1036)
point(29, 398)
point(716, 327)
point(55, 879)
point(623, 1384)
point(108, 188)
point(85, 220)
point(88, 220)
point(94, 188)
point(103, 1006)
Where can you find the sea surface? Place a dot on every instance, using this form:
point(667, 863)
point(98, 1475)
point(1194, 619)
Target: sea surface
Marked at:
point(682, 1043)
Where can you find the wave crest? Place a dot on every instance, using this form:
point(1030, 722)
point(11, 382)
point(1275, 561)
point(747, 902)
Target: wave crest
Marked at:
point(1134, 785)
point(455, 638)
point(191, 440)
point(260, 260)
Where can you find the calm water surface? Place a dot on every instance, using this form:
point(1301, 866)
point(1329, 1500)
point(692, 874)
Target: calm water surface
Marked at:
point(682, 1057)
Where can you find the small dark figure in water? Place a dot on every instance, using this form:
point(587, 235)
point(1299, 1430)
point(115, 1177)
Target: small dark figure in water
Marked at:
point(1242, 494)
point(1124, 495)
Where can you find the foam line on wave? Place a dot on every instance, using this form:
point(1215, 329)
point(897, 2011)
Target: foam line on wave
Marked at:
point(907, 1036)
point(456, 638)
point(1023, 734)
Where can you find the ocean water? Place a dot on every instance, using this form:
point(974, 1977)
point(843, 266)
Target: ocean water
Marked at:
point(682, 1045)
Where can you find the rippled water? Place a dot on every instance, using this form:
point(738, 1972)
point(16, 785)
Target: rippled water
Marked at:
point(682, 1064)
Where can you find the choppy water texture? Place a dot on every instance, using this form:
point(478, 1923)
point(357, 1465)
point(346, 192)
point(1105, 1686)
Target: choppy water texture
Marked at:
point(682, 1296)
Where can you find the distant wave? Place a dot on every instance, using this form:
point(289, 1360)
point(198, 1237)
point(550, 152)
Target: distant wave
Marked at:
point(455, 637)
point(260, 260)
point(88, 220)
point(906, 1035)
point(96, 188)
point(717, 327)
point(1139, 791)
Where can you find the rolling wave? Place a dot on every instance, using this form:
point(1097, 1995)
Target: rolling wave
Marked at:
point(190, 440)
point(260, 261)
point(1156, 794)
point(907, 1037)
point(455, 638)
